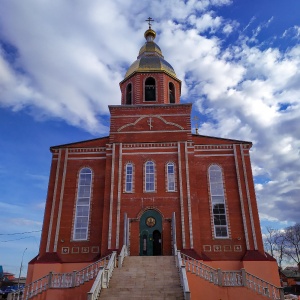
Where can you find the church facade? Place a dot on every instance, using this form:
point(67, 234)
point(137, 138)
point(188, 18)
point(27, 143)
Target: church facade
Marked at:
point(149, 171)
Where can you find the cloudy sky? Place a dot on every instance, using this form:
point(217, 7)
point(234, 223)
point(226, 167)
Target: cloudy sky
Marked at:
point(60, 67)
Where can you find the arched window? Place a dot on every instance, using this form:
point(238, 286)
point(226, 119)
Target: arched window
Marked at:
point(83, 205)
point(171, 93)
point(218, 201)
point(170, 170)
point(150, 91)
point(129, 178)
point(149, 176)
point(129, 94)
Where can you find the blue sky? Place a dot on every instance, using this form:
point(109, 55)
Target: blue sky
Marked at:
point(60, 67)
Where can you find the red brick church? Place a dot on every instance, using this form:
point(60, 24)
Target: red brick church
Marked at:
point(151, 184)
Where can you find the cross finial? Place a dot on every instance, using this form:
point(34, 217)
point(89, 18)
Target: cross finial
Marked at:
point(149, 20)
point(196, 119)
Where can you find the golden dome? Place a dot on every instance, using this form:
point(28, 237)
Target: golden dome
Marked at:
point(150, 58)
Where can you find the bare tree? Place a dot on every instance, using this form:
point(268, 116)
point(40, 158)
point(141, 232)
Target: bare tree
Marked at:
point(292, 243)
point(284, 245)
point(269, 241)
point(274, 244)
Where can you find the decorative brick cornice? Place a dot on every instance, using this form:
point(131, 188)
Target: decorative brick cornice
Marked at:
point(150, 145)
point(214, 147)
point(89, 150)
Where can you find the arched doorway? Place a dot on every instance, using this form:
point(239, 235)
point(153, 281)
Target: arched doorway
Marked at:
point(151, 233)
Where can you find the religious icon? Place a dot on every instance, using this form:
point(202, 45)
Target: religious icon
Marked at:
point(150, 222)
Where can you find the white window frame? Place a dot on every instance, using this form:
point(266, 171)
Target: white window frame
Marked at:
point(149, 177)
point(83, 205)
point(171, 180)
point(217, 197)
point(129, 178)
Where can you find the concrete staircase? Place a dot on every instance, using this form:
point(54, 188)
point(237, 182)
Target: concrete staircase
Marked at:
point(145, 277)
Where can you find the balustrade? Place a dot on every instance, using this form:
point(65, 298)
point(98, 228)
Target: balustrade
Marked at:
point(62, 280)
point(231, 278)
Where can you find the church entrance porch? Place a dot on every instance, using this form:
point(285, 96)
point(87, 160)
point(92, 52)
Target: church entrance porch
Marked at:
point(150, 233)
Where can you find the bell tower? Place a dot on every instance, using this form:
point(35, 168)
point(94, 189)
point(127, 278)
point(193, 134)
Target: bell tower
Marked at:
point(150, 109)
point(150, 79)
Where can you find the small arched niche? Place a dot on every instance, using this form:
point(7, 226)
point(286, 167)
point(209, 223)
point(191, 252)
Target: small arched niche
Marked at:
point(129, 94)
point(150, 89)
point(171, 93)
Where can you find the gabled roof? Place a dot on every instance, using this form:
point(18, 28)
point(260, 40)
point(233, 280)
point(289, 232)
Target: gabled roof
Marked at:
point(98, 142)
point(205, 139)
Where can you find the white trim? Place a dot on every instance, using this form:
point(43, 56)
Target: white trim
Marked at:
point(213, 150)
point(150, 145)
point(149, 116)
point(82, 158)
point(53, 202)
point(119, 196)
point(125, 177)
point(138, 106)
point(79, 184)
point(154, 176)
point(241, 197)
point(213, 146)
point(188, 195)
point(204, 155)
point(181, 196)
point(149, 131)
point(167, 176)
point(212, 203)
point(87, 152)
point(135, 153)
point(249, 200)
point(111, 195)
point(61, 201)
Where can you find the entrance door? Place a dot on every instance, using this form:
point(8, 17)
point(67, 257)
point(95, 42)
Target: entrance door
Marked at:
point(156, 242)
point(151, 233)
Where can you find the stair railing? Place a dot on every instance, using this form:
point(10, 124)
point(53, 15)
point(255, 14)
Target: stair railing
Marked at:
point(109, 269)
point(103, 278)
point(122, 255)
point(94, 293)
point(232, 278)
point(200, 269)
point(61, 280)
point(182, 274)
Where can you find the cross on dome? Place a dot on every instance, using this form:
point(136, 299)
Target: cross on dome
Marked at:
point(149, 20)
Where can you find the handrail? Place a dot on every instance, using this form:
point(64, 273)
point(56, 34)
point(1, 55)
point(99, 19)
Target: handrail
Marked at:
point(236, 278)
point(104, 275)
point(121, 256)
point(200, 269)
point(93, 294)
point(182, 273)
point(61, 280)
point(109, 269)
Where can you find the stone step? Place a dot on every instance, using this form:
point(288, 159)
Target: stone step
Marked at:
point(145, 277)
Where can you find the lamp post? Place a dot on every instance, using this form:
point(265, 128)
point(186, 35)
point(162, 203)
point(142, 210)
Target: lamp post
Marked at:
point(20, 273)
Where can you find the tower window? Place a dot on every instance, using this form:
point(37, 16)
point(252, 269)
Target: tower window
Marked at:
point(170, 168)
point(83, 205)
point(149, 176)
point(129, 178)
point(171, 93)
point(218, 201)
point(129, 94)
point(150, 90)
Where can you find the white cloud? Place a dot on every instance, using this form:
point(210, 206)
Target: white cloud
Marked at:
point(70, 57)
